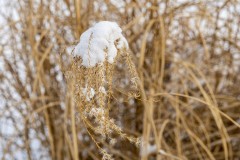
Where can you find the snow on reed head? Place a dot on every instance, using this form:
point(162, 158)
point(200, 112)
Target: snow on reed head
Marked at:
point(99, 43)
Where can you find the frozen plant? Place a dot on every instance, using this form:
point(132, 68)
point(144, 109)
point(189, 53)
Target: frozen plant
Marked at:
point(101, 47)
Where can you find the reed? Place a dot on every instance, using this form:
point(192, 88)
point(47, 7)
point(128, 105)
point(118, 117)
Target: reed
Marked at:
point(174, 94)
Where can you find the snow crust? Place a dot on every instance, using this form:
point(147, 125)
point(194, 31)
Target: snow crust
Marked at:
point(99, 43)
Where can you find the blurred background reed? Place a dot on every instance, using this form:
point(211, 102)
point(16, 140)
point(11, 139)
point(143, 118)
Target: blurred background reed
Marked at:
point(187, 55)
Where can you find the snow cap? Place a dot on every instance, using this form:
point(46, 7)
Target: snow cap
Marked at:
point(100, 43)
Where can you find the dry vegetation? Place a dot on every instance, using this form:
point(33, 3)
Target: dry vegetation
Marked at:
point(186, 105)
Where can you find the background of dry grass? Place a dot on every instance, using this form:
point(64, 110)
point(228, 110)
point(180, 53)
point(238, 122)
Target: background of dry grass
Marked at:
point(187, 55)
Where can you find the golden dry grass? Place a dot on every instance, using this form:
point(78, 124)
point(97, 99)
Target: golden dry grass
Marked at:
point(185, 55)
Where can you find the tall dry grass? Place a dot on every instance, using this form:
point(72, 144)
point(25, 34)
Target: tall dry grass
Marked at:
point(187, 102)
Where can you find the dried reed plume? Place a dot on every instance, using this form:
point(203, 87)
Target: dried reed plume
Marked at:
point(92, 86)
point(175, 90)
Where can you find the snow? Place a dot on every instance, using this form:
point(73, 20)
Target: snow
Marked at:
point(99, 43)
point(113, 141)
point(147, 150)
point(102, 90)
point(94, 112)
point(89, 94)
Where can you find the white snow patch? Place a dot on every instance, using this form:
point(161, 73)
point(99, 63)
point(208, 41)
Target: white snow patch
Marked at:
point(147, 150)
point(100, 43)
point(96, 112)
point(89, 94)
point(162, 152)
point(102, 90)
